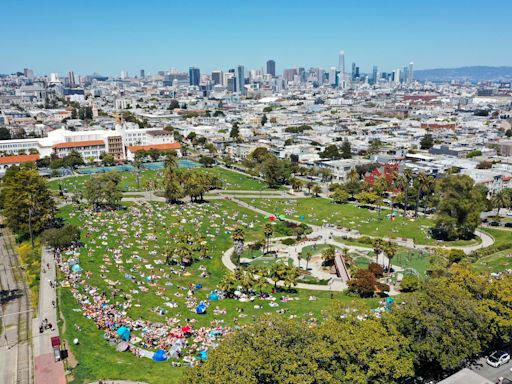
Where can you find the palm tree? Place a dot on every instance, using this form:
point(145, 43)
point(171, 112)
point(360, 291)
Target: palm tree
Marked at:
point(500, 199)
point(171, 161)
point(391, 250)
point(380, 186)
point(277, 272)
point(228, 283)
point(317, 190)
point(403, 184)
point(308, 259)
point(408, 177)
point(328, 255)
point(424, 184)
point(137, 164)
point(296, 184)
point(261, 283)
point(203, 247)
point(352, 175)
point(290, 277)
point(378, 247)
point(238, 237)
point(309, 185)
point(268, 231)
point(152, 185)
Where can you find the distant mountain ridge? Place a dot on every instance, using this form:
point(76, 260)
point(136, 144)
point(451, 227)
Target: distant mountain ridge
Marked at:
point(473, 73)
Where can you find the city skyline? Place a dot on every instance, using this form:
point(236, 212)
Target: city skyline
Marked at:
point(159, 36)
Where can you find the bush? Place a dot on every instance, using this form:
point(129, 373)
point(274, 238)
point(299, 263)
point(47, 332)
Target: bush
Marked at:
point(289, 241)
point(376, 269)
point(410, 283)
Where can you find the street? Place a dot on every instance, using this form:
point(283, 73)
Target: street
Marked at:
point(491, 373)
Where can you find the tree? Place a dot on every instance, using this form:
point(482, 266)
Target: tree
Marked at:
point(207, 161)
point(424, 184)
point(391, 250)
point(238, 237)
point(404, 182)
point(296, 184)
point(174, 104)
point(173, 190)
point(137, 165)
point(331, 152)
point(484, 164)
point(378, 247)
point(61, 238)
point(102, 190)
point(427, 141)
point(107, 159)
point(444, 325)
point(316, 190)
point(409, 283)
point(339, 195)
point(264, 120)
point(365, 284)
point(5, 134)
point(73, 159)
point(346, 149)
point(328, 255)
point(308, 259)
point(458, 209)
point(275, 172)
point(375, 146)
point(268, 231)
point(500, 199)
point(28, 206)
point(235, 131)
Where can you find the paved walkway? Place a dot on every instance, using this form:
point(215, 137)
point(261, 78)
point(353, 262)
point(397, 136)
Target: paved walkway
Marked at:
point(46, 369)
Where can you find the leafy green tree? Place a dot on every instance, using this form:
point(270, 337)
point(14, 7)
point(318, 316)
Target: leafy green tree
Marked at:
point(103, 190)
point(5, 134)
point(28, 206)
point(275, 172)
point(207, 161)
point(316, 190)
point(458, 209)
point(339, 195)
point(331, 152)
point(61, 238)
point(427, 141)
point(235, 131)
point(107, 159)
point(444, 325)
point(424, 185)
point(174, 104)
point(264, 120)
point(375, 146)
point(409, 283)
point(346, 149)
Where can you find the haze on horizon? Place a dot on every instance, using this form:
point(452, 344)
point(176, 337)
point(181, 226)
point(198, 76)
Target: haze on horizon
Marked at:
point(107, 37)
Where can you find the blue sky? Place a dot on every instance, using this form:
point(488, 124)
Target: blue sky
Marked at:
point(111, 35)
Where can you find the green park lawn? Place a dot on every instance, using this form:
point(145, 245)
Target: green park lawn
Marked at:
point(499, 260)
point(144, 230)
point(322, 211)
point(231, 180)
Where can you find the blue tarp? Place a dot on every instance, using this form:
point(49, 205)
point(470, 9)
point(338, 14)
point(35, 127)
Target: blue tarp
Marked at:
point(203, 355)
point(124, 333)
point(199, 286)
point(201, 309)
point(76, 268)
point(213, 297)
point(159, 355)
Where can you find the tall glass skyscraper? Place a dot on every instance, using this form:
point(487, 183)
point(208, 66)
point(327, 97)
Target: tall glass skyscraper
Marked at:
point(240, 79)
point(193, 76)
point(271, 68)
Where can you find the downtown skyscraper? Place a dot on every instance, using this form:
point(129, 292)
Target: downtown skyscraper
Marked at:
point(341, 69)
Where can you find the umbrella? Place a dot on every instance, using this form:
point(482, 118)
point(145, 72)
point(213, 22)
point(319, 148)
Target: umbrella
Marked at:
point(186, 329)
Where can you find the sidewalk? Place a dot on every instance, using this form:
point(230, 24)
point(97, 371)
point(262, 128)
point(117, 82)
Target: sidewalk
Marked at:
point(46, 369)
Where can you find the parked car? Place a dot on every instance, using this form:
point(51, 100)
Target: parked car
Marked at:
point(498, 358)
point(494, 223)
point(508, 225)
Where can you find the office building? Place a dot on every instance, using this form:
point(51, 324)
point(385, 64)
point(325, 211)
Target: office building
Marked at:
point(217, 77)
point(29, 73)
point(333, 77)
point(410, 73)
point(194, 75)
point(71, 79)
point(375, 73)
point(396, 76)
point(341, 68)
point(142, 74)
point(124, 75)
point(271, 68)
point(240, 79)
point(231, 83)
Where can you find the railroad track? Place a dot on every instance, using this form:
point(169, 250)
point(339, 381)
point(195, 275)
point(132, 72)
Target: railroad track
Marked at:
point(19, 343)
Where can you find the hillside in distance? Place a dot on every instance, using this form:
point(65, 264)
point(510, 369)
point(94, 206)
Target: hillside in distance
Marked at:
point(473, 74)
